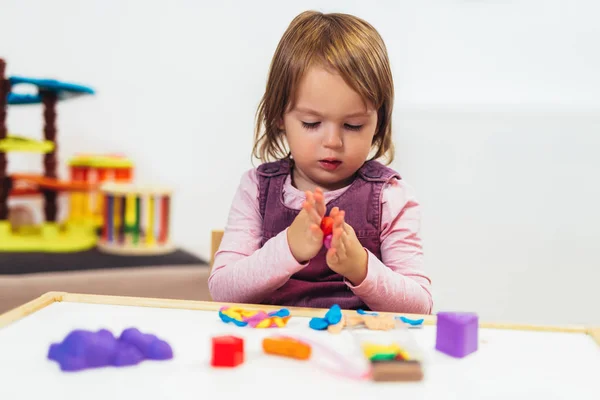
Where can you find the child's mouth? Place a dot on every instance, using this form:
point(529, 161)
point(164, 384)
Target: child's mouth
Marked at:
point(329, 164)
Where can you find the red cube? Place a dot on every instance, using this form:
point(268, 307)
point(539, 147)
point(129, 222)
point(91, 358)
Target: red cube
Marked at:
point(227, 351)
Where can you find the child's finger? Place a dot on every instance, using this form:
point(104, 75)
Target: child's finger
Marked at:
point(334, 212)
point(341, 245)
point(314, 215)
point(316, 233)
point(320, 201)
point(332, 256)
point(338, 220)
point(336, 240)
point(307, 206)
point(345, 241)
point(347, 228)
point(309, 197)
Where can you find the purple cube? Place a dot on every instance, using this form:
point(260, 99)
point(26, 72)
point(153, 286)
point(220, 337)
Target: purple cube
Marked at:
point(457, 333)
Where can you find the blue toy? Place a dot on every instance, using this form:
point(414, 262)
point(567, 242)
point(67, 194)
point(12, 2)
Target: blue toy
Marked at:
point(332, 317)
point(412, 322)
point(63, 90)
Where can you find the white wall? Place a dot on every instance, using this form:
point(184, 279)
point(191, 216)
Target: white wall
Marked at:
point(497, 124)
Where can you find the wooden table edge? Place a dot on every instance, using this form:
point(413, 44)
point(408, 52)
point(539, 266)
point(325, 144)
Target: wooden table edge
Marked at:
point(49, 298)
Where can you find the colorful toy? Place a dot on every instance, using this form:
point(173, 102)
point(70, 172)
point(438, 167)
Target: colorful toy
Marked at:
point(86, 349)
point(327, 228)
point(335, 321)
point(392, 362)
point(287, 347)
point(95, 170)
point(51, 236)
point(136, 220)
point(227, 351)
point(86, 214)
point(256, 319)
point(457, 333)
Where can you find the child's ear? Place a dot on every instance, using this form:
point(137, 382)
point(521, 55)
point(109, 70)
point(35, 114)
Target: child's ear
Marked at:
point(280, 125)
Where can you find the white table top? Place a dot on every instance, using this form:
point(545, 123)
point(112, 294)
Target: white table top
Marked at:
point(511, 364)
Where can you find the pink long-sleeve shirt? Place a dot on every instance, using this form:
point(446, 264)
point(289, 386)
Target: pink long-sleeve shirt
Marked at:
point(245, 273)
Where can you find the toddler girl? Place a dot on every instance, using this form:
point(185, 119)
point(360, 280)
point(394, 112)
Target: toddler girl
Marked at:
point(323, 122)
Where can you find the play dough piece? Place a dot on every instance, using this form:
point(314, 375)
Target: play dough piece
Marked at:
point(327, 241)
point(327, 226)
point(149, 345)
point(83, 349)
point(337, 328)
point(334, 315)
point(413, 322)
point(287, 347)
point(318, 324)
point(379, 322)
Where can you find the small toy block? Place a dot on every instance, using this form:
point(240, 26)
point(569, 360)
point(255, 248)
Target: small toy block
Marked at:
point(227, 351)
point(287, 347)
point(396, 371)
point(457, 333)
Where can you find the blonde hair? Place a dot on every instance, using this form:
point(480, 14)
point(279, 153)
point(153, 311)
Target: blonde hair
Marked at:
point(343, 42)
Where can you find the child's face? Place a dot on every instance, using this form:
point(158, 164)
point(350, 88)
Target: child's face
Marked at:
point(329, 131)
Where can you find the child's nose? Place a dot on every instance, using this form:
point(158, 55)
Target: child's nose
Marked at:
point(333, 138)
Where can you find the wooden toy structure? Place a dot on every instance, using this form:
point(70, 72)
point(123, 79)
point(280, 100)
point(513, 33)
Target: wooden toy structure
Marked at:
point(130, 219)
point(97, 170)
point(51, 236)
point(136, 219)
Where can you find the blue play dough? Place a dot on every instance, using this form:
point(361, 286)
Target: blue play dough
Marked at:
point(284, 312)
point(227, 319)
point(318, 324)
point(363, 312)
point(334, 315)
point(409, 321)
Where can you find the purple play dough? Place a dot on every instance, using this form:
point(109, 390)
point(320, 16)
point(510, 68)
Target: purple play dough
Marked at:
point(86, 349)
point(327, 241)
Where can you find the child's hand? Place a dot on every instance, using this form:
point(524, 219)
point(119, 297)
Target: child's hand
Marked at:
point(347, 255)
point(305, 237)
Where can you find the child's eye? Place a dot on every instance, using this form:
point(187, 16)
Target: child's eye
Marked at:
point(310, 125)
point(353, 127)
